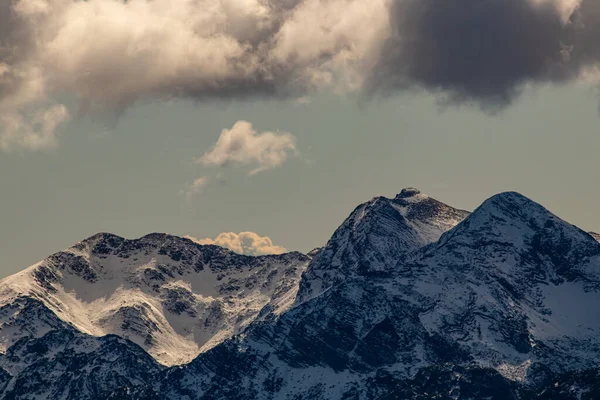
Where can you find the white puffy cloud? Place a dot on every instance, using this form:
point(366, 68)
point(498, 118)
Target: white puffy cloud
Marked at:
point(248, 243)
point(110, 53)
point(243, 145)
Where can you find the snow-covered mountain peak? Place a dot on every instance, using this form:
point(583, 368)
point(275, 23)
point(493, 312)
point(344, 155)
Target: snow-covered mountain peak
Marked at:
point(500, 307)
point(520, 275)
point(101, 237)
point(168, 294)
point(105, 244)
point(375, 236)
point(512, 205)
point(520, 224)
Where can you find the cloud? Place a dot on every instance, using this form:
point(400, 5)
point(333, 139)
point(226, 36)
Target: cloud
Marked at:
point(110, 53)
point(243, 145)
point(470, 51)
point(248, 243)
point(196, 187)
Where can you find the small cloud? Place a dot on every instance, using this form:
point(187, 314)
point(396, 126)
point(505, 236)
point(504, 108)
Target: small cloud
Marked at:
point(37, 133)
point(195, 187)
point(243, 145)
point(248, 243)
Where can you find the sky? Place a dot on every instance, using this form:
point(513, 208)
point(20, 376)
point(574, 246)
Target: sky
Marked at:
point(261, 125)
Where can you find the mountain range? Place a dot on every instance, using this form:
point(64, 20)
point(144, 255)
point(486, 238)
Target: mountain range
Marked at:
point(409, 299)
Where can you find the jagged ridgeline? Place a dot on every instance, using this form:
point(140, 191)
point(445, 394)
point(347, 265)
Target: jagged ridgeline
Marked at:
point(409, 299)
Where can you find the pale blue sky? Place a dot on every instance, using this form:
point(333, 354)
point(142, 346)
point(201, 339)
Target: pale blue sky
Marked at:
point(126, 178)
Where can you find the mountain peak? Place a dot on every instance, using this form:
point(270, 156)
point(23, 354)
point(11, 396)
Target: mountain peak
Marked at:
point(509, 197)
point(500, 306)
point(512, 206)
point(376, 236)
point(411, 193)
point(539, 242)
point(170, 295)
point(102, 236)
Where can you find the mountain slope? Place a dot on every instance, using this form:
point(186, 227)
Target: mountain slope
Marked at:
point(502, 303)
point(173, 297)
point(376, 236)
point(65, 364)
point(410, 299)
point(510, 284)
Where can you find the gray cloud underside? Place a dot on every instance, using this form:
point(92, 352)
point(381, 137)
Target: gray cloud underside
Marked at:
point(483, 51)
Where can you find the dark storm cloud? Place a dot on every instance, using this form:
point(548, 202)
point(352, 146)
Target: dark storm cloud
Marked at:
point(484, 51)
